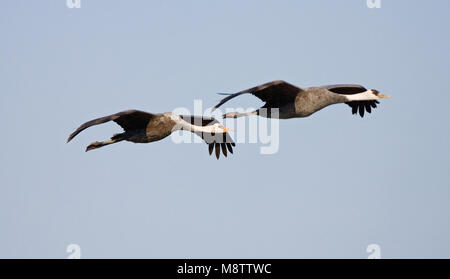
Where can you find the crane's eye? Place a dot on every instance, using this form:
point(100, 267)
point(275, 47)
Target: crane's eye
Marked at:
point(376, 92)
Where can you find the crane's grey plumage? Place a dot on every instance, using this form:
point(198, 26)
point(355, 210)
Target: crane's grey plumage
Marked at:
point(293, 101)
point(144, 127)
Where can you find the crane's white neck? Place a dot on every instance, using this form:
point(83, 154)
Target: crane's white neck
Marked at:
point(364, 96)
point(183, 125)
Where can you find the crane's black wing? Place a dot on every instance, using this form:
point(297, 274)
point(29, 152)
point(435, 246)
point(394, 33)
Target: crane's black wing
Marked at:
point(128, 120)
point(350, 89)
point(275, 94)
point(222, 141)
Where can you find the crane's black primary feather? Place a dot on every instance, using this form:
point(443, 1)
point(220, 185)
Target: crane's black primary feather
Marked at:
point(210, 148)
point(362, 106)
point(361, 110)
point(229, 147)
point(224, 149)
point(217, 141)
point(217, 150)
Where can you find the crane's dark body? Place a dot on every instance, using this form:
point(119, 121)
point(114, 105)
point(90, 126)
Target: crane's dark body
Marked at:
point(292, 101)
point(139, 126)
point(314, 99)
point(144, 127)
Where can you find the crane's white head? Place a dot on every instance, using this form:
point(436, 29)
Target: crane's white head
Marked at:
point(378, 95)
point(219, 128)
point(368, 95)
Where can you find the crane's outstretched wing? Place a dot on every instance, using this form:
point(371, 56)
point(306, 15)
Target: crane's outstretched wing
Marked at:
point(275, 94)
point(350, 89)
point(128, 120)
point(215, 141)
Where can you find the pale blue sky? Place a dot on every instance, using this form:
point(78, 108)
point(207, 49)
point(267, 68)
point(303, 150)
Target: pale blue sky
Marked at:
point(337, 184)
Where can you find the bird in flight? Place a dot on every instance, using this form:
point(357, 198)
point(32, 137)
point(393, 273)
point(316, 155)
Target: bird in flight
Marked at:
point(144, 127)
point(292, 101)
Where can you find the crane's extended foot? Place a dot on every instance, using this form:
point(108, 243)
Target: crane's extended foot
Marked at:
point(237, 114)
point(98, 144)
point(94, 145)
point(230, 115)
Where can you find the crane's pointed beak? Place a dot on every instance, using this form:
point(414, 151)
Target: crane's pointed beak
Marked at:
point(378, 94)
point(226, 130)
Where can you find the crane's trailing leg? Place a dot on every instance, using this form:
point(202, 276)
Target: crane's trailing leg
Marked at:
point(98, 144)
point(237, 114)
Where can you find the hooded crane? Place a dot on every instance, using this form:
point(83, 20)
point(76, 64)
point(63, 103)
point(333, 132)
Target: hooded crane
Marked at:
point(144, 127)
point(293, 101)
